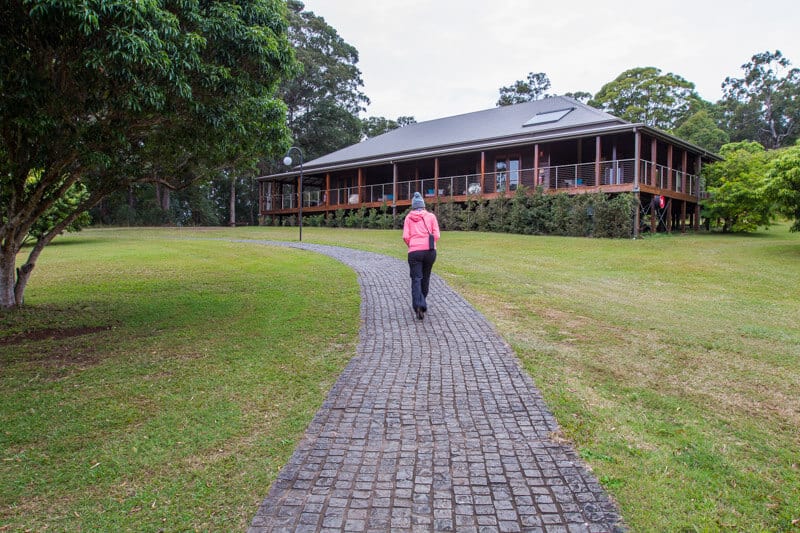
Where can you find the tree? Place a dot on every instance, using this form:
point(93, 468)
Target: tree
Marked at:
point(101, 95)
point(374, 126)
point(737, 186)
point(525, 91)
point(646, 95)
point(702, 130)
point(764, 105)
point(784, 183)
point(581, 96)
point(324, 98)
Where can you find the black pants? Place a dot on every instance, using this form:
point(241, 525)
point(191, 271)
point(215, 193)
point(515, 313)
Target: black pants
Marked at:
point(420, 264)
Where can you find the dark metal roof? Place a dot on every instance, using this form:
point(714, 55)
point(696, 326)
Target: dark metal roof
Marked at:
point(499, 122)
point(550, 118)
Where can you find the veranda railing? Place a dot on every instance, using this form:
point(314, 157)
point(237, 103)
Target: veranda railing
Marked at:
point(554, 177)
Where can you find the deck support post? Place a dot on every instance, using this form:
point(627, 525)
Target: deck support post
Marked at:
point(597, 153)
point(327, 189)
point(669, 215)
point(483, 174)
point(653, 161)
point(361, 185)
point(637, 163)
point(669, 167)
point(536, 180)
point(683, 216)
point(698, 168)
point(394, 193)
point(653, 219)
point(684, 169)
point(436, 180)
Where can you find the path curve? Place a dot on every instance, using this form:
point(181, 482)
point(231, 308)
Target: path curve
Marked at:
point(432, 426)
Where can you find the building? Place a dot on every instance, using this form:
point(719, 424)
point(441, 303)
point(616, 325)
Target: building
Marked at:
point(556, 143)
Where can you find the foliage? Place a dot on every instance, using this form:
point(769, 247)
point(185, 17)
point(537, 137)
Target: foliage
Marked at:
point(737, 187)
point(206, 203)
point(784, 183)
point(536, 213)
point(702, 130)
point(374, 126)
point(324, 98)
point(646, 95)
point(524, 91)
point(109, 94)
point(613, 215)
point(581, 96)
point(764, 105)
point(58, 211)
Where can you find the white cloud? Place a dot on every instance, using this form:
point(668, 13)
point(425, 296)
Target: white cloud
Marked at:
point(435, 58)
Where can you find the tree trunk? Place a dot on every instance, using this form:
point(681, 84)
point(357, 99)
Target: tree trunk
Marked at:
point(232, 220)
point(8, 278)
point(162, 197)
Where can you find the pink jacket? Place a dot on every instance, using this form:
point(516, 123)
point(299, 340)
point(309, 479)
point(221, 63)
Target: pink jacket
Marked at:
point(418, 224)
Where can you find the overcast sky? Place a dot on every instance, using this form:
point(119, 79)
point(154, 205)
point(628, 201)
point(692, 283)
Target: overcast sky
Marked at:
point(436, 58)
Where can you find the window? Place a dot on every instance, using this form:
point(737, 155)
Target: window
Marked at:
point(287, 196)
point(507, 174)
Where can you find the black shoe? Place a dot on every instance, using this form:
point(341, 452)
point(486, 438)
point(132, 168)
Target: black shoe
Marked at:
point(420, 314)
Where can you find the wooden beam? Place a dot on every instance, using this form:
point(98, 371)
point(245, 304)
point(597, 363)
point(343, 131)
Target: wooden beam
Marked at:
point(483, 173)
point(436, 178)
point(653, 220)
point(669, 167)
point(361, 198)
point(653, 161)
point(683, 215)
point(327, 189)
point(597, 154)
point(699, 167)
point(637, 163)
point(684, 169)
point(669, 215)
point(394, 190)
point(536, 180)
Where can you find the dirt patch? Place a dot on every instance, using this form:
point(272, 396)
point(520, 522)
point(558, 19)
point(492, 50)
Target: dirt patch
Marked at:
point(50, 334)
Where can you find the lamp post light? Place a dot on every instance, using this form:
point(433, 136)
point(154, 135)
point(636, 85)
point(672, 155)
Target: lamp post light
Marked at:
point(287, 160)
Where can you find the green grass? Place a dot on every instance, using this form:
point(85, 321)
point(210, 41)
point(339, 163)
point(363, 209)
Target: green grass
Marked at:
point(672, 363)
point(181, 414)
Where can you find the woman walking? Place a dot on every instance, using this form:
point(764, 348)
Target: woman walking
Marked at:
point(420, 233)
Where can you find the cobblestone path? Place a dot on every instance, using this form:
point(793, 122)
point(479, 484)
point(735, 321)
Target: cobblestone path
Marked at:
point(432, 426)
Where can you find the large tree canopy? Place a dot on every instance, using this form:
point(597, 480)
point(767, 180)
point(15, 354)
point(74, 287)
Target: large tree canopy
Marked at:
point(646, 95)
point(95, 95)
point(764, 105)
point(324, 98)
point(533, 88)
point(374, 126)
point(702, 130)
point(784, 183)
point(739, 198)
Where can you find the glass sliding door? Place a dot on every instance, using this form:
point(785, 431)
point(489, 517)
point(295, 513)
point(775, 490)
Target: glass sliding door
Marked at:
point(507, 173)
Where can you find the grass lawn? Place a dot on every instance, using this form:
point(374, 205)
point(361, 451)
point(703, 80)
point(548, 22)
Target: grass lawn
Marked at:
point(183, 370)
point(155, 383)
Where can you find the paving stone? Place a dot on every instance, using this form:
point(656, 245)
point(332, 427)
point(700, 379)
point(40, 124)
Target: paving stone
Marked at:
point(432, 426)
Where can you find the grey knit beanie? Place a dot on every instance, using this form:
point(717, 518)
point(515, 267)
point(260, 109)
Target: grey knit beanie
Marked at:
point(417, 202)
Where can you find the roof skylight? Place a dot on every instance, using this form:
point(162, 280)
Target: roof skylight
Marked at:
point(548, 116)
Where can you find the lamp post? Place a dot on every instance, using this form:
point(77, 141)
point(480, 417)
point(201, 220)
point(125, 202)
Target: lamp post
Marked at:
point(287, 160)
